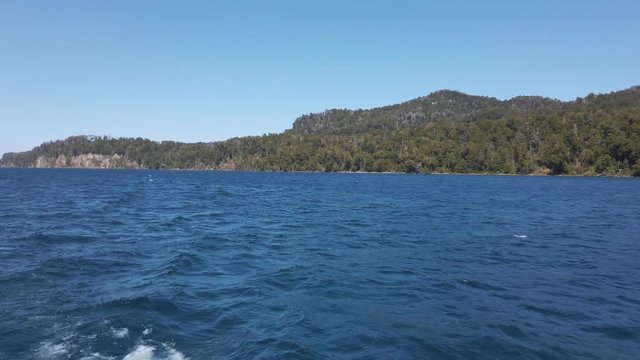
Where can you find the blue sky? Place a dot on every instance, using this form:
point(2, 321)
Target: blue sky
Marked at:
point(211, 70)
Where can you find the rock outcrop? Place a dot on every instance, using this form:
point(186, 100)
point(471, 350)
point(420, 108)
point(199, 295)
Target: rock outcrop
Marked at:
point(89, 161)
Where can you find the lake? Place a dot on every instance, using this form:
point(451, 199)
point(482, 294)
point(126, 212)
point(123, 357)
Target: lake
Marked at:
point(134, 264)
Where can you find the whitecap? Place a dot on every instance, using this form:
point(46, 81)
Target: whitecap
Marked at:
point(147, 331)
point(148, 352)
point(97, 356)
point(120, 333)
point(520, 236)
point(174, 354)
point(49, 350)
point(142, 352)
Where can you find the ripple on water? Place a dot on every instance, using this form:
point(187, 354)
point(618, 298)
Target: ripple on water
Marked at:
point(109, 265)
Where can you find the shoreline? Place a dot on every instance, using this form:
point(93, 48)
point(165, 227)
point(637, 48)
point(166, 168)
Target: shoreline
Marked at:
point(329, 172)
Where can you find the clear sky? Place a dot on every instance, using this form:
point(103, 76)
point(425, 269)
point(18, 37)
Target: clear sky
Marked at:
point(210, 70)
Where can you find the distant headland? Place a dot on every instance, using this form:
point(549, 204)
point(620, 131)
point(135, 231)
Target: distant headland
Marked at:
point(444, 132)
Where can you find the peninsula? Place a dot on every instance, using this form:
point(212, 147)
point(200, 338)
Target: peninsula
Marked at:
point(443, 132)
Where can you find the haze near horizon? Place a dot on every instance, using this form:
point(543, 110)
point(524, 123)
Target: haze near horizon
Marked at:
point(206, 71)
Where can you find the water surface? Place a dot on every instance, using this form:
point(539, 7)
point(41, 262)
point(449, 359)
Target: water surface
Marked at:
point(139, 264)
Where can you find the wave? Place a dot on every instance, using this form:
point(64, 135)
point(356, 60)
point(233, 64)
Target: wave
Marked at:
point(150, 351)
point(213, 265)
point(120, 333)
point(91, 347)
point(49, 350)
point(97, 356)
point(57, 239)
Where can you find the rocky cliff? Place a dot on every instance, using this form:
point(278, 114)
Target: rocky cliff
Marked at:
point(94, 161)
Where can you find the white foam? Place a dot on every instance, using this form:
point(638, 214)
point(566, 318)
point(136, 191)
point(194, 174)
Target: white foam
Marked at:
point(147, 352)
point(142, 352)
point(97, 356)
point(175, 354)
point(520, 236)
point(120, 333)
point(49, 350)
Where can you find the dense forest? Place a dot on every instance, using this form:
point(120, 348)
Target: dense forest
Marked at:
point(444, 132)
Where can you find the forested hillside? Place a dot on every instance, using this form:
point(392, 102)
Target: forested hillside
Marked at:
point(440, 105)
point(446, 131)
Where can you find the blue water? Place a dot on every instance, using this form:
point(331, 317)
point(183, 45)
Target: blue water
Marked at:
point(107, 264)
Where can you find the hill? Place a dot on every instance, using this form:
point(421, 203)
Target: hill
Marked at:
point(446, 131)
point(440, 105)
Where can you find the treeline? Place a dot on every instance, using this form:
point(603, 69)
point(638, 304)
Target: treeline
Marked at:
point(443, 132)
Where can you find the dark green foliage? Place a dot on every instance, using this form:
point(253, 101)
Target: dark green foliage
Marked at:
point(440, 105)
point(446, 131)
